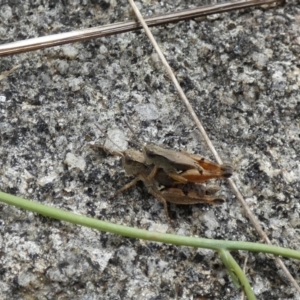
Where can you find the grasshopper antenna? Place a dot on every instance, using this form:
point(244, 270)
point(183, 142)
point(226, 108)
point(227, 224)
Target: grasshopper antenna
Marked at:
point(138, 142)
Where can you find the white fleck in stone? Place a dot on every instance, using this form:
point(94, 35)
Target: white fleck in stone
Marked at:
point(155, 61)
point(182, 231)
point(292, 175)
point(69, 51)
point(260, 59)
point(205, 48)
point(75, 161)
point(45, 78)
point(258, 287)
point(75, 84)
point(116, 140)
point(139, 51)
point(27, 175)
point(158, 227)
point(209, 254)
point(4, 287)
point(278, 76)
point(6, 13)
point(147, 111)
point(55, 275)
point(47, 179)
point(137, 96)
point(2, 98)
point(99, 256)
point(27, 279)
point(103, 49)
point(23, 186)
point(266, 166)
point(61, 142)
point(5, 127)
point(209, 219)
point(69, 271)
point(62, 67)
point(213, 17)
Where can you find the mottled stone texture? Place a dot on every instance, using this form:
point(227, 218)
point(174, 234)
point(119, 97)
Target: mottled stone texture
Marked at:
point(240, 71)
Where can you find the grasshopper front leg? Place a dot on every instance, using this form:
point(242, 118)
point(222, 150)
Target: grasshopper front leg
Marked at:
point(126, 187)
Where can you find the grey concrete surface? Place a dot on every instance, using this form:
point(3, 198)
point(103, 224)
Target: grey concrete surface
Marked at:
point(241, 72)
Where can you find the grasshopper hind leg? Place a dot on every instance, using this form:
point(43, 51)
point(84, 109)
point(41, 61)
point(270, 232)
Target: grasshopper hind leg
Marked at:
point(177, 177)
point(159, 197)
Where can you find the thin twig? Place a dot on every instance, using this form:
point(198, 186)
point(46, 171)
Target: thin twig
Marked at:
point(239, 196)
point(244, 270)
point(111, 29)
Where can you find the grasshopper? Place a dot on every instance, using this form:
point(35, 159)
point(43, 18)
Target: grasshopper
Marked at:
point(163, 187)
point(184, 167)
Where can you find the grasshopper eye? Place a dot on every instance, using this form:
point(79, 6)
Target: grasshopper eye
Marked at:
point(150, 152)
point(128, 160)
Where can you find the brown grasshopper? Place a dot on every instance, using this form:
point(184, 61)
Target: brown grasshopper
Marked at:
point(184, 167)
point(162, 186)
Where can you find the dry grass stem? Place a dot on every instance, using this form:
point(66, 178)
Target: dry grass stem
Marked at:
point(111, 29)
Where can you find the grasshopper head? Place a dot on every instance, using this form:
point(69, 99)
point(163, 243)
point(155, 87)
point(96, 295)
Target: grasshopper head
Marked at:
point(150, 150)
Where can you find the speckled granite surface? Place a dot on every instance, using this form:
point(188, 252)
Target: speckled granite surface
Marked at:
point(240, 71)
